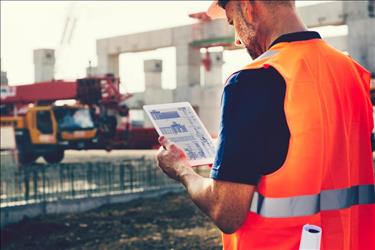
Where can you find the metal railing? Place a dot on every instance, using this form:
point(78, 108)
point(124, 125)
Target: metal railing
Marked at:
point(42, 183)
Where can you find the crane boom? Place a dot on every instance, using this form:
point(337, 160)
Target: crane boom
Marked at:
point(92, 90)
point(43, 91)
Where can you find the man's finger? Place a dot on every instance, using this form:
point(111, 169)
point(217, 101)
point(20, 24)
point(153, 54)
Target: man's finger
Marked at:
point(165, 142)
point(161, 139)
point(161, 149)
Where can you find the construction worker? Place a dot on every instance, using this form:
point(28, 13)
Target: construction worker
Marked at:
point(294, 144)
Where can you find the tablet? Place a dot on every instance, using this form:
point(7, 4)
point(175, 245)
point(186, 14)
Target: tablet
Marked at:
point(181, 125)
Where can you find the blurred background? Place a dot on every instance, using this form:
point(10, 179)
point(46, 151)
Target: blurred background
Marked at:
point(74, 137)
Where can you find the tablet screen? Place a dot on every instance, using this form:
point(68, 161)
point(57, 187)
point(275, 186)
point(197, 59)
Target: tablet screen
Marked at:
point(181, 125)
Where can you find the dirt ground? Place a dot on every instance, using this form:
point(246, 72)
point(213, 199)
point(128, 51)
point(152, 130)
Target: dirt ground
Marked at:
point(168, 222)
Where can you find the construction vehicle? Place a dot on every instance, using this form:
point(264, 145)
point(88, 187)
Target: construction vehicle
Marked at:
point(99, 118)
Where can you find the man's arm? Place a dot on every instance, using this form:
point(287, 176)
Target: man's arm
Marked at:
point(253, 141)
point(226, 203)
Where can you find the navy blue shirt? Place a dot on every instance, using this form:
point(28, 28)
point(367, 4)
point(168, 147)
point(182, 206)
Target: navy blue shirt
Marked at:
point(254, 135)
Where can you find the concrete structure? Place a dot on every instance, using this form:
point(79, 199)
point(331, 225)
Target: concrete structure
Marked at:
point(359, 43)
point(44, 65)
point(4, 78)
point(91, 71)
point(14, 214)
point(360, 19)
point(206, 98)
point(361, 38)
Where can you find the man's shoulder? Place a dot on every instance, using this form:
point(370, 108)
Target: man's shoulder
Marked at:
point(247, 77)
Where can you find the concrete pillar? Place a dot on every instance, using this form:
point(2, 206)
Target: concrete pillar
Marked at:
point(4, 78)
point(154, 93)
point(91, 71)
point(44, 65)
point(209, 109)
point(361, 33)
point(153, 69)
point(214, 75)
point(187, 69)
point(207, 98)
point(108, 64)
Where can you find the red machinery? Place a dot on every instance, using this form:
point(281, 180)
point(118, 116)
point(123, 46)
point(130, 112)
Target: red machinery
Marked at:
point(100, 94)
point(93, 90)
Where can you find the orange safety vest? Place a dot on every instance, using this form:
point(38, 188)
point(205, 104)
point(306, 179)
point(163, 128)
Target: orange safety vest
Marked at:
point(327, 178)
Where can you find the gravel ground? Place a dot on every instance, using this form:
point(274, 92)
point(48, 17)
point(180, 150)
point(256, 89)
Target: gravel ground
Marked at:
point(168, 222)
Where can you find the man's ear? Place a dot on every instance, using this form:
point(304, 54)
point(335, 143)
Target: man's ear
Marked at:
point(247, 9)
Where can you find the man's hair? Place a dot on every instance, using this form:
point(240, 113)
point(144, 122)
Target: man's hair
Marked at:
point(287, 3)
point(223, 3)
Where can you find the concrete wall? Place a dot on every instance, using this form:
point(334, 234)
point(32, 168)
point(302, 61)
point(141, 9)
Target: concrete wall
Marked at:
point(353, 13)
point(330, 13)
point(339, 42)
point(15, 214)
point(162, 38)
point(187, 58)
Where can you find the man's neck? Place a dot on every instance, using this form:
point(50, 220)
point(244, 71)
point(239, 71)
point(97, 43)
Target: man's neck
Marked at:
point(285, 26)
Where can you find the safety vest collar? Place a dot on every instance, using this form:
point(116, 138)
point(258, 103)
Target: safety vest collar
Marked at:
point(267, 54)
point(306, 205)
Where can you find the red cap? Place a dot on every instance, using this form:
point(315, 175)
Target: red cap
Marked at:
point(215, 11)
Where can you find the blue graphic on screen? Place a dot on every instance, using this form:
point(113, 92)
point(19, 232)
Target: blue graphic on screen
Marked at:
point(157, 115)
point(194, 151)
point(200, 151)
point(175, 128)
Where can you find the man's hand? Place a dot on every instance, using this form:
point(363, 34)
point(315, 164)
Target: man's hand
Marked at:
point(172, 159)
point(217, 199)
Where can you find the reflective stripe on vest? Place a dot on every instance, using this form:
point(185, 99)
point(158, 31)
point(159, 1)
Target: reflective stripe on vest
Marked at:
point(305, 205)
point(267, 54)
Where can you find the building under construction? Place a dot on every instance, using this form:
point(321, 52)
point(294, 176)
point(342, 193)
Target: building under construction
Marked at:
point(93, 179)
point(358, 16)
point(191, 43)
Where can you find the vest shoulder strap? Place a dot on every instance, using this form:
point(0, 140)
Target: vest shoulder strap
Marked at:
point(262, 60)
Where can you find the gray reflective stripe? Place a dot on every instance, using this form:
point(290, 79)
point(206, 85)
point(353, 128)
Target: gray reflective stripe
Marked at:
point(266, 54)
point(311, 204)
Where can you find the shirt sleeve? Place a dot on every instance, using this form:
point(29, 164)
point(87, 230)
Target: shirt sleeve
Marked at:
point(251, 113)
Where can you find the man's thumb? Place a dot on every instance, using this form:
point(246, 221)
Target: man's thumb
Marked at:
point(165, 142)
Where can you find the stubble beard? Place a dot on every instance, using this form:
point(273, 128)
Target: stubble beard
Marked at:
point(253, 51)
point(250, 39)
point(253, 48)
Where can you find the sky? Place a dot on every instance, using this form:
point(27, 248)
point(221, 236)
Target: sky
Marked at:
point(29, 25)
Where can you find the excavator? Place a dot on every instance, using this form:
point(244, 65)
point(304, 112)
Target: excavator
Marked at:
point(98, 119)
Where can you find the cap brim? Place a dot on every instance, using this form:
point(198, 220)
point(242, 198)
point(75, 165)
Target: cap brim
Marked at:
point(215, 11)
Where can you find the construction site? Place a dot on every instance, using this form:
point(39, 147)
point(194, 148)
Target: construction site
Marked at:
point(78, 165)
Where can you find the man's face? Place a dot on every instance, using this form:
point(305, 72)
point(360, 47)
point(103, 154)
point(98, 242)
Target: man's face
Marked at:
point(246, 32)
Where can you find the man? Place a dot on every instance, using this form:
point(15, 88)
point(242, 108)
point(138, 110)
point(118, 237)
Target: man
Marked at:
point(294, 144)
